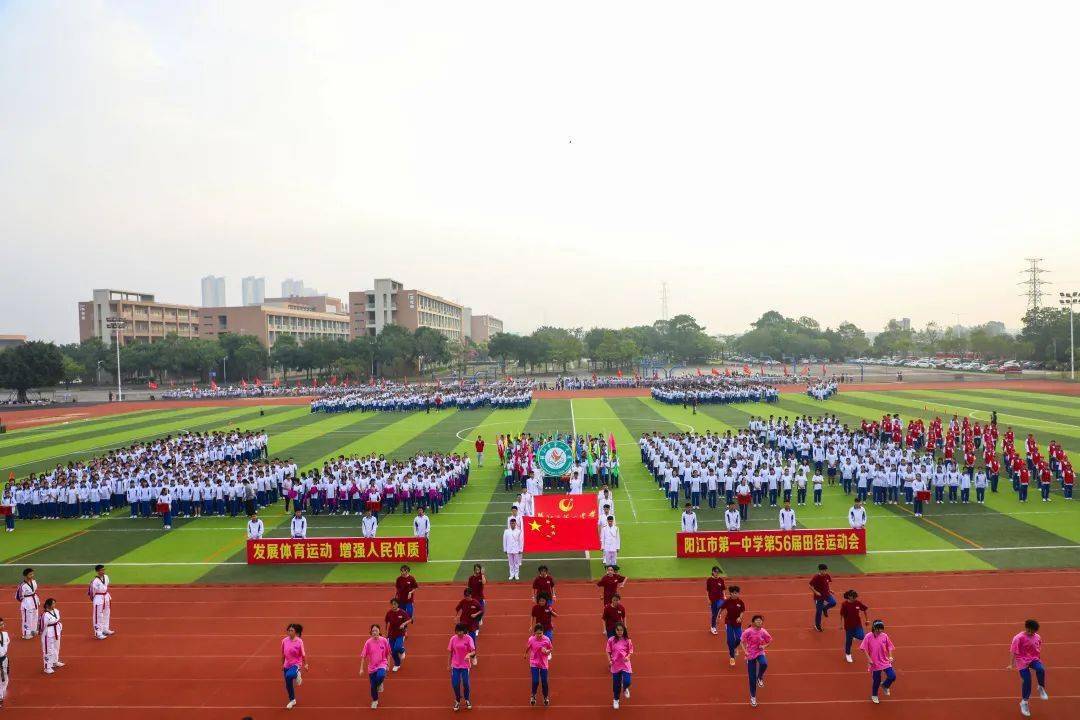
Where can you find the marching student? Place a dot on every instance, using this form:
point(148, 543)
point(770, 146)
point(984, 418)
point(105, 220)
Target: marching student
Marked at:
point(544, 584)
point(29, 603)
point(817, 482)
point(369, 524)
point(919, 492)
point(515, 516)
point(164, 503)
point(611, 582)
point(614, 613)
point(689, 519)
point(879, 652)
point(1025, 655)
point(823, 598)
point(477, 582)
point(405, 585)
point(619, 651)
point(538, 654)
point(462, 651)
point(732, 518)
point(610, 541)
point(255, 527)
point(468, 614)
point(732, 610)
point(787, 517)
point(542, 615)
point(376, 655)
point(51, 630)
point(298, 525)
point(514, 546)
point(856, 515)
point(853, 612)
point(421, 525)
point(101, 599)
point(5, 669)
point(396, 622)
point(292, 658)
point(715, 587)
point(754, 641)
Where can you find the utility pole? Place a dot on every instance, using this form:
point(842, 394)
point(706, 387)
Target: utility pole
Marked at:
point(1034, 283)
point(663, 301)
point(1071, 299)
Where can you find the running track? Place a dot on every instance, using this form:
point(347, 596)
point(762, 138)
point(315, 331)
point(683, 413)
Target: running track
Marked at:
point(212, 652)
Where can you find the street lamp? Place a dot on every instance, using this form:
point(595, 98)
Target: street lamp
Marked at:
point(1071, 299)
point(117, 324)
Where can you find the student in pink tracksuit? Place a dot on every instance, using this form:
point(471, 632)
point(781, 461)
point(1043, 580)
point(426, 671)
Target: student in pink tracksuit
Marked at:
point(620, 649)
point(1025, 655)
point(293, 658)
point(879, 651)
point(754, 641)
point(376, 655)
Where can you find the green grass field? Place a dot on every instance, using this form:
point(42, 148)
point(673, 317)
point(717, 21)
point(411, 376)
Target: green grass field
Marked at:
point(1000, 534)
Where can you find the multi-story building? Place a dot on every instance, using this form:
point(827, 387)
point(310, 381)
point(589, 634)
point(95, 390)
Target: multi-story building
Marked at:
point(484, 326)
point(213, 291)
point(145, 319)
point(7, 341)
point(252, 290)
point(302, 317)
point(296, 288)
point(390, 303)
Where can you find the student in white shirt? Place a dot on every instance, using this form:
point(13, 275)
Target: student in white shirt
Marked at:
point(255, 527)
point(732, 518)
point(610, 541)
point(369, 524)
point(51, 631)
point(857, 515)
point(5, 645)
point(421, 524)
point(514, 546)
point(689, 519)
point(514, 516)
point(298, 525)
point(29, 604)
point(787, 517)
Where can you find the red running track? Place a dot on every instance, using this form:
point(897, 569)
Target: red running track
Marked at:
point(211, 652)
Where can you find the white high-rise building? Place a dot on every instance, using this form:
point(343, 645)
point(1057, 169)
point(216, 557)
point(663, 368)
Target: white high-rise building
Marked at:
point(213, 291)
point(297, 288)
point(253, 290)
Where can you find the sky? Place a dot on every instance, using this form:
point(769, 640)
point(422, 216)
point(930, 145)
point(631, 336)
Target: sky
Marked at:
point(548, 163)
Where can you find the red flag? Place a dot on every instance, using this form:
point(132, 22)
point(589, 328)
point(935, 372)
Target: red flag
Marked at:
point(152, 385)
point(566, 506)
point(824, 370)
point(298, 383)
point(213, 385)
point(618, 373)
point(762, 369)
point(243, 383)
point(193, 388)
point(806, 370)
point(786, 371)
point(545, 534)
point(715, 371)
point(258, 381)
point(727, 372)
point(345, 382)
point(277, 382)
point(699, 372)
point(314, 382)
point(333, 379)
point(745, 369)
point(371, 381)
point(611, 441)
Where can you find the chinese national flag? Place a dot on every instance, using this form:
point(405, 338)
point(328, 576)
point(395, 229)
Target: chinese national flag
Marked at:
point(546, 534)
point(583, 507)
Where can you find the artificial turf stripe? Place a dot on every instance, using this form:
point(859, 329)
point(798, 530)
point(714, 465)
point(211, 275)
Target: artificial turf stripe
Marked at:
point(89, 433)
point(679, 420)
point(66, 429)
point(979, 402)
point(1068, 401)
point(309, 444)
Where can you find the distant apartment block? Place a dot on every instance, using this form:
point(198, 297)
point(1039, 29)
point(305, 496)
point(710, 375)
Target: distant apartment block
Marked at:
point(296, 288)
point(145, 319)
point(213, 291)
point(252, 290)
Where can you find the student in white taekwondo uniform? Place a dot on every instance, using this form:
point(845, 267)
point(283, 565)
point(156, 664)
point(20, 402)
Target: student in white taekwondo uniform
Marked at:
point(255, 527)
point(298, 525)
point(102, 602)
point(51, 630)
point(732, 518)
point(856, 516)
point(514, 546)
point(689, 519)
point(421, 525)
point(610, 541)
point(5, 645)
point(787, 517)
point(369, 524)
point(29, 604)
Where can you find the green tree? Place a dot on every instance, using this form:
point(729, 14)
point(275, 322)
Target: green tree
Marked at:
point(502, 346)
point(431, 347)
point(395, 351)
point(31, 365)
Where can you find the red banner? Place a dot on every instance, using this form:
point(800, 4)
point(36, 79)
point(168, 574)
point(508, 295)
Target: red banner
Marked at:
point(583, 507)
point(336, 550)
point(771, 543)
point(560, 534)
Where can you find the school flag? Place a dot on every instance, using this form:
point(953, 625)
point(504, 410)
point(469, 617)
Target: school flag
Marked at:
point(560, 534)
point(582, 507)
point(152, 385)
point(611, 442)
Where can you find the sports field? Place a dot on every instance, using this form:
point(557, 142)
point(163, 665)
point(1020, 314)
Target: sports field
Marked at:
point(1002, 534)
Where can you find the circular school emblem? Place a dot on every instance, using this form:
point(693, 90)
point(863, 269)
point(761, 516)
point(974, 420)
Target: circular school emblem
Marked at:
point(555, 458)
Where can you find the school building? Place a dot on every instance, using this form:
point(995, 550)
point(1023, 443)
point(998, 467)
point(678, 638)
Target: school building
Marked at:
point(145, 319)
point(304, 318)
point(390, 303)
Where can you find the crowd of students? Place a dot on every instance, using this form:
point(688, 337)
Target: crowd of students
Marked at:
point(405, 398)
point(593, 382)
point(694, 390)
point(782, 459)
point(822, 389)
point(193, 474)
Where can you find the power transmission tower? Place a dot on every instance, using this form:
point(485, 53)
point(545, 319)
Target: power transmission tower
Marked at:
point(663, 301)
point(1034, 283)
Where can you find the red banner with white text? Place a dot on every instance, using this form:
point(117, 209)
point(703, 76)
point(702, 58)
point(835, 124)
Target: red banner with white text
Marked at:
point(336, 550)
point(771, 543)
